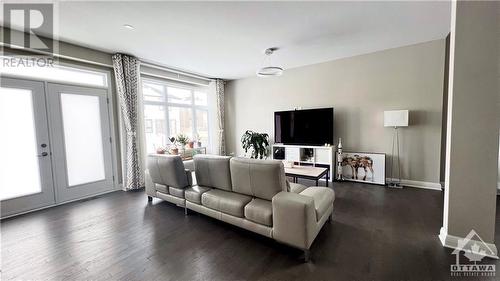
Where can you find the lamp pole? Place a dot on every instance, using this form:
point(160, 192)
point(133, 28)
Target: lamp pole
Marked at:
point(395, 145)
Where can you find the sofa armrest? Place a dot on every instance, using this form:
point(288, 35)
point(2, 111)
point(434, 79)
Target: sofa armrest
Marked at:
point(150, 186)
point(295, 187)
point(294, 219)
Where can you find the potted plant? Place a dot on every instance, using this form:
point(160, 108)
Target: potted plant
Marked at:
point(182, 140)
point(160, 150)
point(258, 143)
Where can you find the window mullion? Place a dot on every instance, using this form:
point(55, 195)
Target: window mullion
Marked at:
point(193, 113)
point(167, 120)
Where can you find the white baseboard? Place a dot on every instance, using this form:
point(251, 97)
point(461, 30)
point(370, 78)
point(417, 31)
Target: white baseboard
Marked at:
point(419, 184)
point(451, 241)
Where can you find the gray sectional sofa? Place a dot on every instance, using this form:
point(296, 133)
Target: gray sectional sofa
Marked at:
point(249, 193)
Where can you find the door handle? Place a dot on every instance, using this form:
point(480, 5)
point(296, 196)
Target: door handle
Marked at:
point(43, 154)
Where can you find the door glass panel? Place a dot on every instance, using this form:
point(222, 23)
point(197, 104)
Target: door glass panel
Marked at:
point(180, 120)
point(82, 138)
point(19, 167)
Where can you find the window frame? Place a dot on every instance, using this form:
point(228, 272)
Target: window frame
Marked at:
point(71, 66)
point(193, 107)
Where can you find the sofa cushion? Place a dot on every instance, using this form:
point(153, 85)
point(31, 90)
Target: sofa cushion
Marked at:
point(227, 202)
point(295, 187)
point(177, 192)
point(212, 171)
point(259, 178)
point(161, 188)
point(260, 211)
point(323, 197)
point(193, 194)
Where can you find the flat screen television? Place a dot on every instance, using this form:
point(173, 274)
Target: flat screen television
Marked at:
point(304, 127)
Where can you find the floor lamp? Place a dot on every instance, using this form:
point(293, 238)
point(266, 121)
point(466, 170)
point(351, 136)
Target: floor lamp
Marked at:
point(395, 119)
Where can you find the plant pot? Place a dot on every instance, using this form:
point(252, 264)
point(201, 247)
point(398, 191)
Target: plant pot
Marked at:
point(174, 151)
point(190, 144)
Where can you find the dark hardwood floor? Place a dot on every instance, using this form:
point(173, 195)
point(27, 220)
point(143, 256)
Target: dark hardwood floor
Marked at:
point(377, 234)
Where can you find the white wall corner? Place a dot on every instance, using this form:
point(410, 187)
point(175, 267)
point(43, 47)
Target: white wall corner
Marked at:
point(451, 241)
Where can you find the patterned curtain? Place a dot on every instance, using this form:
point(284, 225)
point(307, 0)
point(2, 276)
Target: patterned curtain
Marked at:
point(126, 70)
point(219, 91)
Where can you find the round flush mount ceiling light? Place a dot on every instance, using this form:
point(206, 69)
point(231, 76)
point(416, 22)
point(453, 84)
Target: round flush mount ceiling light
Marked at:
point(129, 26)
point(268, 71)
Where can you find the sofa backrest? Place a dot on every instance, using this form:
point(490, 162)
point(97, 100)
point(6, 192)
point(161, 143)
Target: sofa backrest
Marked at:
point(167, 170)
point(259, 178)
point(212, 171)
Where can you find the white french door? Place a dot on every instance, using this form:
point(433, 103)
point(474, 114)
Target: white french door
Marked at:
point(25, 168)
point(80, 140)
point(55, 142)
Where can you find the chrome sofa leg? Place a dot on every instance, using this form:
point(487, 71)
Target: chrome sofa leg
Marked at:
point(150, 199)
point(307, 255)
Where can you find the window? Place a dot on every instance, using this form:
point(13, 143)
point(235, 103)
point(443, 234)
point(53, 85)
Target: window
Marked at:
point(170, 110)
point(56, 72)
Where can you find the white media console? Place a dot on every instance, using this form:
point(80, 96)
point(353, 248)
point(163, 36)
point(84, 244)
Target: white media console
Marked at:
point(317, 156)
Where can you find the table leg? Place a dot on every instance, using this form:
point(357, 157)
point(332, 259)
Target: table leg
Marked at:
point(327, 179)
point(317, 184)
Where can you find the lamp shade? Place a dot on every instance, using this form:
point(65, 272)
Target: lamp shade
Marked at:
point(396, 118)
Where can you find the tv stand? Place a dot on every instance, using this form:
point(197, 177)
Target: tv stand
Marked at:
point(306, 155)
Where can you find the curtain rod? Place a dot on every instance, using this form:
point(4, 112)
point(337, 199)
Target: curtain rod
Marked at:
point(173, 79)
point(180, 72)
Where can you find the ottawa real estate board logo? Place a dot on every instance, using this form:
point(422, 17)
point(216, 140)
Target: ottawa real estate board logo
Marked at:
point(474, 250)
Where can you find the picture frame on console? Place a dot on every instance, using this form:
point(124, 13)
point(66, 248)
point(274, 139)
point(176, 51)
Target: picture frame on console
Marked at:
point(365, 167)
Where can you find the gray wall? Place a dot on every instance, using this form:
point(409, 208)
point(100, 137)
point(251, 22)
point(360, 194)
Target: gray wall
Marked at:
point(472, 137)
point(360, 88)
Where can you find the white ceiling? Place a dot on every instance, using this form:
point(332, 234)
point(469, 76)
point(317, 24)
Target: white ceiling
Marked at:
point(227, 39)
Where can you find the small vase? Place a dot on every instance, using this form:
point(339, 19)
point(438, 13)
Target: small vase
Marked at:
point(191, 144)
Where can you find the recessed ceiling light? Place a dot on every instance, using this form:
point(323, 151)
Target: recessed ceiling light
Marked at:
point(128, 26)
